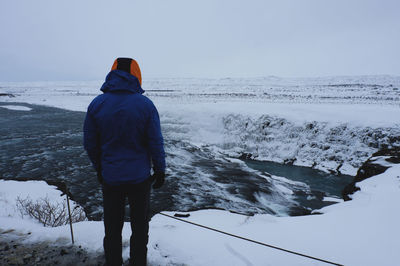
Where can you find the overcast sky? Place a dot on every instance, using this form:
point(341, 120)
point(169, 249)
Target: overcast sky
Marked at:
point(79, 39)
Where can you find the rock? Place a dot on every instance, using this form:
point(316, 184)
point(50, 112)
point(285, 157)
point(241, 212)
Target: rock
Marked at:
point(318, 194)
point(7, 94)
point(299, 211)
point(289, 161)
point(373, 166)
point(27, 256)
point(14, 251)
point(63, 252)
point(246, 156)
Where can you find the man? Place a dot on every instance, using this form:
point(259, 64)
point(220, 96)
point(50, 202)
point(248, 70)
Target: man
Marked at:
point(122, 137)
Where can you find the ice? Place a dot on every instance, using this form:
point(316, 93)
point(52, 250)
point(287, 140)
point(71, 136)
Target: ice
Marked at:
point(16, 107)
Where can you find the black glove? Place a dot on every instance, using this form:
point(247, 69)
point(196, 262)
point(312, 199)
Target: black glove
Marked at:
point(100, 177)
point(158, 178)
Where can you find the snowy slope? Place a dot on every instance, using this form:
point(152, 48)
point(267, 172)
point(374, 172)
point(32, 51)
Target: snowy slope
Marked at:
point(360, 232)
point(363, 231)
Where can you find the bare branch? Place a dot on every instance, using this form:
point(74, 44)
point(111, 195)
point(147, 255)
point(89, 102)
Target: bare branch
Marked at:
point(49, 213)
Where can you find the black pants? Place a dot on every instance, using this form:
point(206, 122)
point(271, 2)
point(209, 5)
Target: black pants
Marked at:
point(114, 198)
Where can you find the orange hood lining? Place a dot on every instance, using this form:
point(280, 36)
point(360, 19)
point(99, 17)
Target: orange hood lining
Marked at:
point(134, 69)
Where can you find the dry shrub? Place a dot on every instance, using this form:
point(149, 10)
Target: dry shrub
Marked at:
point(49, 213)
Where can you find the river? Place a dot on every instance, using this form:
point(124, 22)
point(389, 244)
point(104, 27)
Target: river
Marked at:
point(46, 144)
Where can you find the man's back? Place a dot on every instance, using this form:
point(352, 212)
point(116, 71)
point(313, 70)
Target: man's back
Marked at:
point(127, 130)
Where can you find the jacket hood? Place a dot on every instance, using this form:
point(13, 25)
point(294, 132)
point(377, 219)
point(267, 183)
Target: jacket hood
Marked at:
point(128, 65)
point(118, 80)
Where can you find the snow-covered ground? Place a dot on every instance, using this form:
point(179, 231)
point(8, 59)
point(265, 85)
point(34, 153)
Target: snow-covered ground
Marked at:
point(333, 124)
point(361, 232)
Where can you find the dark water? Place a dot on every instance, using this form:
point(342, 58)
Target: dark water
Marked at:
point(320, 183)
point(46, 144)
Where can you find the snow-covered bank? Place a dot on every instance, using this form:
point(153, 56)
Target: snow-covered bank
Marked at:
point(10, 216)
point(361, 232)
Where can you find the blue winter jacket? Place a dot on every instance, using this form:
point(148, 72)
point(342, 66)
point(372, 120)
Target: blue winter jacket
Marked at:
point(122, 133)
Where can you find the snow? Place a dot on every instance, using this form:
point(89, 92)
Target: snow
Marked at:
point(363, 231)
point(332, 199)
point(16, 107)
point(381, 160)
point(330, 123)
